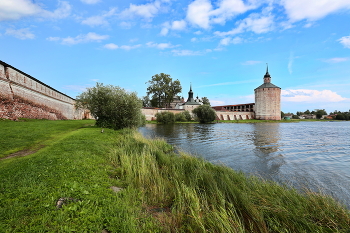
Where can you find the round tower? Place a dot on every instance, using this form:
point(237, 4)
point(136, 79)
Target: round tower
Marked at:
point(267, 100)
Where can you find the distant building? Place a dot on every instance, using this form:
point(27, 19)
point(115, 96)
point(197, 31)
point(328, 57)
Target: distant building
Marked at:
point(191, 103)
point(267, 100)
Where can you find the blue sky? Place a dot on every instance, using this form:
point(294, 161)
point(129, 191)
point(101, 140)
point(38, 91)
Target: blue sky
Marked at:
point(221, 47)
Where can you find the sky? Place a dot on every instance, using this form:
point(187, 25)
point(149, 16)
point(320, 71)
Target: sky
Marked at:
point(220, 47)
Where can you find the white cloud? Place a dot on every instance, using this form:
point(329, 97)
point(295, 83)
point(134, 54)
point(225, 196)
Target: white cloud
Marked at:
point(99, 20)
point(175, 25)
point(89, 37)
point(22, 34)
point(129, 47)
point(336, 59)
point(186, 52)
point(290, 63)
point(17, 9)
point(146, 11)
point(79, 88)
point(201, 13)
point(345, 40)
point(178, 25)
point(228, 40)
point(161, 45)
point(255, 23)
point(90, 1)
point(251, 62)
point(311, 96)
point(111, 46)
point(53, 38)
point(313, 9)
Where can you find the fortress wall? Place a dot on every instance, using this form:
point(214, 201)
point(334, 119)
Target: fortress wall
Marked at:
point(228, 115)
point(24, 96)
point(222, 115)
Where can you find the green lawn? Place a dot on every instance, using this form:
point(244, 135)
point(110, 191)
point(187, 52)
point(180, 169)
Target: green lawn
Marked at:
point(162, 191)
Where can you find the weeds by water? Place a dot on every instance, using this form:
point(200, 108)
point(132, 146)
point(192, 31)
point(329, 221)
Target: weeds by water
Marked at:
point(162, 191)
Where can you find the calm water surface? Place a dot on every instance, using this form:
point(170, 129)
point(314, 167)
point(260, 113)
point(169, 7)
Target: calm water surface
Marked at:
point(313, 155)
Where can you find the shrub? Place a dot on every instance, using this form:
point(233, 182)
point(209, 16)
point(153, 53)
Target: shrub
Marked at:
point(187, 115)
point(180, 117)
point(165, 117)
point(112, 106)
point(205, 113)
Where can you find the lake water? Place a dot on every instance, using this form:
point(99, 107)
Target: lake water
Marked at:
point(313, 155)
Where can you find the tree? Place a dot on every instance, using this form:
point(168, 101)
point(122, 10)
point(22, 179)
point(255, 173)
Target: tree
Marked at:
point(165, 117)
point(307, 112)
point(163, 89)
point(204, 113)
point(282, 114)
point(205, 100)
point(146, 102)
point(112, 106)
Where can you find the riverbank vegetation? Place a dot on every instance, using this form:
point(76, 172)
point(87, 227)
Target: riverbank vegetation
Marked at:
point(161, 191)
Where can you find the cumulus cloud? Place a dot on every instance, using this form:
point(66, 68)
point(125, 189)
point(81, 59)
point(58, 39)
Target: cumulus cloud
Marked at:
point(113, 46)
point(90, 1)
point(82, 38)
point(175, 25)
point(336, 59)
point(311, 96)
point(146, 11)
point(17, 9)
point(345, 40)
point(201, 13)
point(99, 20)
point(312, 9)
point(22, 34)
point(161, 45)
point(255, 23)
point(228, 40)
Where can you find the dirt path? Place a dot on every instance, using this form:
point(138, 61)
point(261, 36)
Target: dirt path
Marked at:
point(23, 153)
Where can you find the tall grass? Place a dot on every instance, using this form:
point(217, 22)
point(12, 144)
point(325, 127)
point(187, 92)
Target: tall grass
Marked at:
point(205, 197)
point(162, 191)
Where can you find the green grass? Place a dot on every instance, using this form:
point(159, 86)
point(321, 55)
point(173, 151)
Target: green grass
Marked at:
point(162, 191)
point(33, 134)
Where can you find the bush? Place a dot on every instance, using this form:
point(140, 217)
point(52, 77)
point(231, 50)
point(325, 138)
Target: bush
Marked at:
point(165, 117)
point(183, 116)
point(340, 117)
point(187, 115)
point(112, 106)
point(205, 113)
point(180, 117)
point(295, 117)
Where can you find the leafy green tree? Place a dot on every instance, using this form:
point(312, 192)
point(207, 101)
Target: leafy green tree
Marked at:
point(340, 116)
point(205, 100)
point(318, 115)
point(282, 114)
point(187, 115)
point(146, 102)
point(165, 117)
point(295, 117)
point(307, 112)
point(162, 89)
point(112, 106)
point(204, 113)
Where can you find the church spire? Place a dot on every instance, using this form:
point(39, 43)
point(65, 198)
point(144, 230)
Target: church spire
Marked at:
point(267, 77)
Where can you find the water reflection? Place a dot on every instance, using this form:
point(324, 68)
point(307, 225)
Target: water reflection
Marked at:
point(310, 155)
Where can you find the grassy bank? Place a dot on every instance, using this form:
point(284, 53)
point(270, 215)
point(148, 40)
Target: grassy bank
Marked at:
point(162, 191)
point(28, 134)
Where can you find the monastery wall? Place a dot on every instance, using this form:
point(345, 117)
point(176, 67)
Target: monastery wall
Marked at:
point(24, 96)
point(221, 115)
